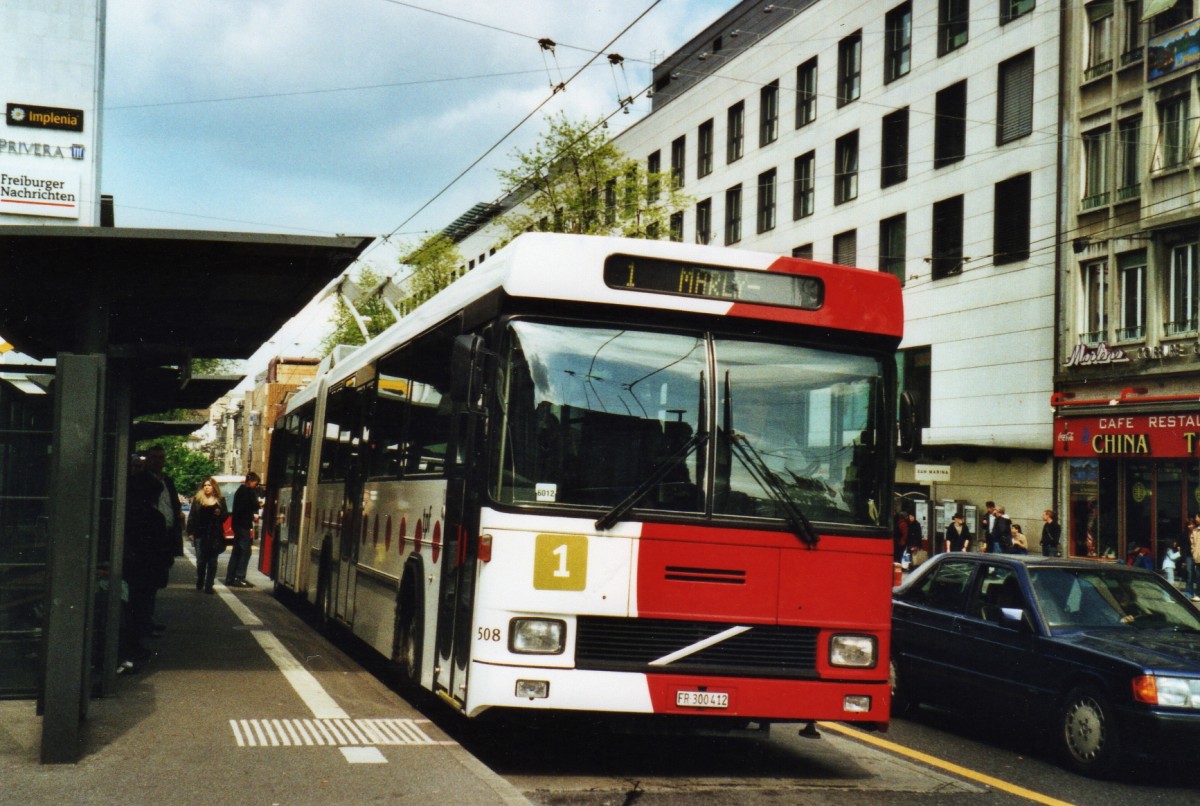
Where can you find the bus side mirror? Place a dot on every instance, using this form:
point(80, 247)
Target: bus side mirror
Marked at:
point(466, 371)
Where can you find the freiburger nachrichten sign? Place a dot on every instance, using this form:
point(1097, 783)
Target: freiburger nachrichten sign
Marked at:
point(44, 117)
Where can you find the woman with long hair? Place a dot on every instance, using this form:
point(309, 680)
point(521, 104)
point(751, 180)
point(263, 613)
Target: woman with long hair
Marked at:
point(206, 530)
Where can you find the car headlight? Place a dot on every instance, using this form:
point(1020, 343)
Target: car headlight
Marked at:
point(855, 651)
point(1174, 692)
point(536, 636)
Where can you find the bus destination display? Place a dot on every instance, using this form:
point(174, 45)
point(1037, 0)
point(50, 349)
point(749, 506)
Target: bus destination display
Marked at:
point(713, 282)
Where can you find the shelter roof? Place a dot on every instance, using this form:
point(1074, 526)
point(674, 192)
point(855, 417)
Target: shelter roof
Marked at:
point(163, 295)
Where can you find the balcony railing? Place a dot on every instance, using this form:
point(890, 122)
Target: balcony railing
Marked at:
point(1129, 192)
point(1093, 336)
point(1181, 327)
point(1098, 69)
point(1134, 56)
point(1131, 333)
point(1094, 201)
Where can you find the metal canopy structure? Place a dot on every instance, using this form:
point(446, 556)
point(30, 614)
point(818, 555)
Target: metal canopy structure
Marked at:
point(161, 293)
point(122, 312)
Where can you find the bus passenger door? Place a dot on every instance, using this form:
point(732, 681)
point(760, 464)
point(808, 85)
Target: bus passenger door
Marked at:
point(460, 534)
point(346, 413)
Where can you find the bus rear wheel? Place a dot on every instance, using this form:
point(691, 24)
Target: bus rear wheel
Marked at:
point(408, 638)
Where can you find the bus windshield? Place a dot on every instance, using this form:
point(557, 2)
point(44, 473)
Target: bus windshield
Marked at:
point(590, 414)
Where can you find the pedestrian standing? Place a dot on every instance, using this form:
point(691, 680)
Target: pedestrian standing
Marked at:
point(1001, 535)
point(1170, 560)
point(153, 538)
point(1051, 534)
point(1193, 558)
point(245, 514)
point(958, 536)
point(206, 529)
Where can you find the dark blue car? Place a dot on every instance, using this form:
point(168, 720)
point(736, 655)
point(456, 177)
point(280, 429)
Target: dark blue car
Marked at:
point(1104, 657)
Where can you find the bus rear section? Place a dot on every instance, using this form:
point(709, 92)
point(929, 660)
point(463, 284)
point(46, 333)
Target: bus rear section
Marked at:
point(613, 476)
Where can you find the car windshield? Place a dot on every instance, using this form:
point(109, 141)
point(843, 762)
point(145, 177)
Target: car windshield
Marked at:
point(1073, 598)
point(592, 415)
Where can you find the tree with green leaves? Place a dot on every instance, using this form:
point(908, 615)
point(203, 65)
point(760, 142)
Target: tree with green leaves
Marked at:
point(371, 311)
point(434, 264)
point(575, 179)
point(186, 466)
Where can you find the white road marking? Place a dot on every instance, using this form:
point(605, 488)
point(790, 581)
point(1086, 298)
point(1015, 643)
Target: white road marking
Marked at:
point(342, 733)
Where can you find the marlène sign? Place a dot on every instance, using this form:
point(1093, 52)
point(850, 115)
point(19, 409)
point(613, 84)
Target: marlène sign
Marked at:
point(44, 117)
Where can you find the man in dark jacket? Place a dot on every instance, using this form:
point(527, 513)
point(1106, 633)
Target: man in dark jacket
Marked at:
point(1000, 539)
point(153, 539)
point(244, 514)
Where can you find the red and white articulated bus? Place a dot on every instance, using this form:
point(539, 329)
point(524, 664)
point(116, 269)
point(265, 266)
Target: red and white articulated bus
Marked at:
point(610, 475)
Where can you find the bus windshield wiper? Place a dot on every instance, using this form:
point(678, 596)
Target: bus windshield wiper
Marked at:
point(660, 472)
point(766, 478)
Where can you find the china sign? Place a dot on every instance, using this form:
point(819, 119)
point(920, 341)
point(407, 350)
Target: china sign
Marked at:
point(1146, 435)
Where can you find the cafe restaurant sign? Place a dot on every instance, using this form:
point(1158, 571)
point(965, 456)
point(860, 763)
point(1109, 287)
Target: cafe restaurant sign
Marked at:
point(1169, 436)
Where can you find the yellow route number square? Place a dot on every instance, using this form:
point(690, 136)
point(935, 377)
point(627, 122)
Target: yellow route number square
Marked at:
point(560, 562)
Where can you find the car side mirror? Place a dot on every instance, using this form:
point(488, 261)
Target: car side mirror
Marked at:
point(1014, 619)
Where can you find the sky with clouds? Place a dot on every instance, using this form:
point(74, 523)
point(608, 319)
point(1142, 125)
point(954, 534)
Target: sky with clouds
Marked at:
point(350, 116)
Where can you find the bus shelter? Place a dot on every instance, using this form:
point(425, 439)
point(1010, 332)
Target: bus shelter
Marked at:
point(121, 313)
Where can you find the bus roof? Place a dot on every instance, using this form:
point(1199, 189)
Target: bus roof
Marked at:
point(545, 266)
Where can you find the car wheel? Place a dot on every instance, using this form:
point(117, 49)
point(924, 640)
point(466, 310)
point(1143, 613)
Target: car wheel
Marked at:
point(902, 699)
point(1088, 733)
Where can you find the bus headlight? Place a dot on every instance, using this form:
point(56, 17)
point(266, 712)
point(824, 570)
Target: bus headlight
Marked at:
point(537, 636)
point(855, 651)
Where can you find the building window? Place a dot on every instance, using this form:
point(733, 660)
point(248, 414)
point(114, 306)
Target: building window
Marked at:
point(1095, 302)
point(1099, 38)
point(736, 132)
point(1095, 168)
point(845, 248)
point(678, 157)
point(768, 108)
point(1133, 40)
point(610, 202)
point(894, 165)
point(1014, 112)
point(675, 225)
point(704, 155)
point(897, 59)
point(892, 246)
point(766, 201)
point(733, 215)
point(1011, 9)
point(1182, 290)
point(1129, 166)
point(953, 16)
point(653, 169)
point(806, 93)
point(947, 258)
point(805, 251)
point(1131, 278)
point(704, 221)
point(804, 186)
point(849, 68)
point(1175, 14)
point(1173, 132)
point(845, 171)
point(1010, 231)
point(950, 125)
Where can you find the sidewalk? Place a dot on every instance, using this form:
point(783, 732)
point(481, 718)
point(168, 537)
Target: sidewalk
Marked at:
point(212, 718)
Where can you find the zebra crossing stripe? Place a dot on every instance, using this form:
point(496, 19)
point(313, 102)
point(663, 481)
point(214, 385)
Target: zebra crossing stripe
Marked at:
point(330, 733)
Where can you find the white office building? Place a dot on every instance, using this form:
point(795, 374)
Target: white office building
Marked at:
point(919, 138)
